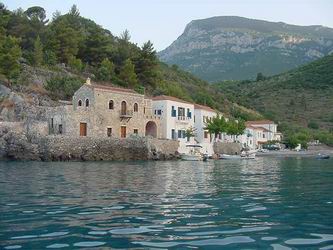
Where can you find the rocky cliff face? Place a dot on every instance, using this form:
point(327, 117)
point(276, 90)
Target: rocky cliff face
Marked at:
point(221, 48)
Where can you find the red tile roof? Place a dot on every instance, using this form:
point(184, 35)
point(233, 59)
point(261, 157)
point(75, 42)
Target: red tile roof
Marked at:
point(258, 128)
point(112, 88)
point(260, 122)
point(169, 98)
point(198, 106)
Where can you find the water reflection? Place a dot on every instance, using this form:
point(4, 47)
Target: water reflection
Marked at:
point(167, 204)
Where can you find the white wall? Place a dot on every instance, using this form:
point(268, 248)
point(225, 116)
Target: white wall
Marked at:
point(177, 123)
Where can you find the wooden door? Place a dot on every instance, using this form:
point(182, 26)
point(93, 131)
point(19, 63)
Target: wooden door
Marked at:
point(123, 131)
point(83, 129)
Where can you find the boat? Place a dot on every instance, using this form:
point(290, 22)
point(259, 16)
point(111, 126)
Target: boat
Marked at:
point(322, 156)
point(194, 154)
point(244, 155)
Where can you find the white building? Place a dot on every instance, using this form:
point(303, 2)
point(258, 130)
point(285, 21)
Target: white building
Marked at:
point(260, 132)
point(176, 117)
point(202, 114)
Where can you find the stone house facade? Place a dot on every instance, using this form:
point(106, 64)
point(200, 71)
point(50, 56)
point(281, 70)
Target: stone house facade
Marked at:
point(105, 111)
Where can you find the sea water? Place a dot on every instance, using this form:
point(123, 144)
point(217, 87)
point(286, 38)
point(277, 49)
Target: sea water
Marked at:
point(268, 203)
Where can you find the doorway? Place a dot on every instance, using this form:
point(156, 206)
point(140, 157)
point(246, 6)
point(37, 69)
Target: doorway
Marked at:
point(83, 129)
point(123, 132)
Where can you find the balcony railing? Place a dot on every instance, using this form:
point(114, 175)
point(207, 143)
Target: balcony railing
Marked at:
point(126, 113)
point(183, 118)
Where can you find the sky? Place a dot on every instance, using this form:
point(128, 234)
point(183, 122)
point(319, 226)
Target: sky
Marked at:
point(162, 21)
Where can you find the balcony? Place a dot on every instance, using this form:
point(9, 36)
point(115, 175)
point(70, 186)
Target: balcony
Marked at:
point(183, 118)
point(126, 114)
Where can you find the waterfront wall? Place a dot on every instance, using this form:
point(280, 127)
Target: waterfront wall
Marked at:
point(23, 146)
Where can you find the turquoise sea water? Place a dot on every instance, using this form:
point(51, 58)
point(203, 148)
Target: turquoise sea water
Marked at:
point(267, 203)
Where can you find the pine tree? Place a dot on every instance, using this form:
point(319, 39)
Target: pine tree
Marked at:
point(10, 52)
point(106, 70)
point(127, 74)
point(38, 52)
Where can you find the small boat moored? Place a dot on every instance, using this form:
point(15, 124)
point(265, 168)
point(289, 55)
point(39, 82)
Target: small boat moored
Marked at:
point(322, 156)
point(194, 154)
point(244, 155)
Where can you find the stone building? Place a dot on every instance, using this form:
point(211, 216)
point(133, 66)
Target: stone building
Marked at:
point(105, 111)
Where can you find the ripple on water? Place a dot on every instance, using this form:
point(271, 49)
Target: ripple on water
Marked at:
point(97, 232)
point(28, 211)
point(254, 209)
point(13, 247)
point(280, 247)
point(57, 245)
point(209, 242)
point(330, 247)
point(114, 208)
point(24, 237)
point(235, 231)
point(303, 241)
point(56, 212)
point(54, 234)
point(133, 230)
point(90, 212)
point(268, 238)
point(89, 244)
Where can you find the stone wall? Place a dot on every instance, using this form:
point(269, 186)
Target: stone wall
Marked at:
point(19, 146)
point(227, 148)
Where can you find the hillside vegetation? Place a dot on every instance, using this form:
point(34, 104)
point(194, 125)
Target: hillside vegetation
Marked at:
point(70, 48)
point(237, 48)
point(300, 99)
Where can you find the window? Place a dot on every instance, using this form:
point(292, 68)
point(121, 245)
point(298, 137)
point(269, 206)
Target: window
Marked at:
point(189, 113)
point(123, 108)
point(181, 111)
point(109, 132)
point(194, 118)
point(136, 107)
point(144, 110)
point(60, 128)
point(136, 131)
point(87, 102)
point(110, 104)
point(206, 134)
point(173, 112)
point(179, 134)
point(183, 134)
point(158, 112)
point(173, 134)
point(263, 135)
point(52, 123)
point(79, 103)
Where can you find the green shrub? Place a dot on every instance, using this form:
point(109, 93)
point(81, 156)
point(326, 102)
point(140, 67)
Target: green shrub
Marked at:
point(63, 87)
point(313, 125)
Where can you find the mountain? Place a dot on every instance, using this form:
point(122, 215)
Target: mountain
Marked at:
point(300, 97)
point(234, 48)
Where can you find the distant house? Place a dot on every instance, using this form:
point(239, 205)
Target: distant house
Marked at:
point(260, 132)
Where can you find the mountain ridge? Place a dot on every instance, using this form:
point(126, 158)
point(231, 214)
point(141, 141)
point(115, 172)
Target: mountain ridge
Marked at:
point(235, 48)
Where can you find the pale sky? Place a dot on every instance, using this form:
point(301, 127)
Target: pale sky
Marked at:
point(162, 21)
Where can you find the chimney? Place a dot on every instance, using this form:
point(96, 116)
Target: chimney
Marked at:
point(88, 81)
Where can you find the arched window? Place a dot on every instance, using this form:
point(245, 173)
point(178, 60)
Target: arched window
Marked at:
point(136, 107)
point(110, 104)
point(79, 103)
point(123, 108)
point(87, 102)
